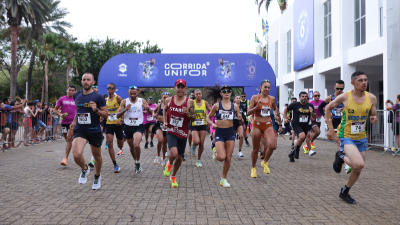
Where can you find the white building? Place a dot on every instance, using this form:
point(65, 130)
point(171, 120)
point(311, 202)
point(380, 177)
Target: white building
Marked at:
point(349, 36)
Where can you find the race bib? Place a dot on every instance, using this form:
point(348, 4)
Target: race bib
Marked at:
point(265, 111)
point(199, 122)
point(176, 121)
point(357, 127)
point(84, 118)
point(64, 130)
point(162, 127)
point(132, 122)
point(112, 117)
point(303, 119)
point(226, 115)
point(149, 118)
point(318, 119)
point(338, 112)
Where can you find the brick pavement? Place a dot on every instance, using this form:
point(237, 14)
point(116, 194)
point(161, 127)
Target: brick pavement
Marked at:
point(35, 189)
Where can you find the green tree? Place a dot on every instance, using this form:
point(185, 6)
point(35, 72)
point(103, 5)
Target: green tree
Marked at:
point(72, 53)
point(281, 3)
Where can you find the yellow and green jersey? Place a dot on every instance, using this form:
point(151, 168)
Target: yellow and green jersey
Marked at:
point(200, 114)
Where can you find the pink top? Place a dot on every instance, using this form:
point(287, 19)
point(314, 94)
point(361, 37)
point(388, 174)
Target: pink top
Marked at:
point(316, 104)
point(147, 118)
point(67, 105)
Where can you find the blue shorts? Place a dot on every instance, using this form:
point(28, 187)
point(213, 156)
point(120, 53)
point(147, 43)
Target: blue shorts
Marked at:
point(41, 124)
point(55, 122)
point(224, 134)
point(362, 144)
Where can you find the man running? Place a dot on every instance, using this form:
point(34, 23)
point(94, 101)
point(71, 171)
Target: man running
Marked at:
point(68, 112)
point(192, 97)
point(90, 106)
point(160, 131)
point(198, 126)
point(132, 108)
point(113, 125)
point(149, 122)
point(315, 123)
point(238, 127)
point(357, 105)
point(244, 105)
point(290, 119)
point(302, 114)
point(178, 112)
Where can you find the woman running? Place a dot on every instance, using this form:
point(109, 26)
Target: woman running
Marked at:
point(238, 127)
point(224, 132)
point(260, 106)
point(159, 130)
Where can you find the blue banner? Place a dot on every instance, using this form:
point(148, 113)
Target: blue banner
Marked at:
point(199, 70)
point(303, 26)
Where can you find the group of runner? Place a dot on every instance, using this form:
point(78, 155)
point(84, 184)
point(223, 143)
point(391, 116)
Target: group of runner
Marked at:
point(177, 119)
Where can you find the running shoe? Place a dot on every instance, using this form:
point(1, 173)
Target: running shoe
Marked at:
point(346, 197)
point(193, 150)
point(337, 164)
point(305, 148)
point(164, 162)
point(266, 168)
point(174, 184)
point(290, 138)
point(198, 163)
point(157, 159)
point(311, 153)
point(151, 144)
point(83, 176)
point(167, 170)
point(224, 183)
point(253, 173)
point(166, 154)
point(262, 163)
point(121, 152)
point(297, 153)
point(247, 142)
point(64, 162)
point(312, 146)
point(116, 169)
point(261, 156)
point(138, 168)
point(146, 146)
point(96, 182)
point(214, 157)
point(91, 163)
point(240, 154)
point(106, 146)
point(347, 168)
point(292, 147)
point(183, 157)
point(291, 156)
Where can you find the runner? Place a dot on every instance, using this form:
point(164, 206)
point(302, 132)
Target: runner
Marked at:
point(68, 113)
point(290, 119)
point(90, 106)
point(239, 128)
point(149, 122)
point(357, 105)
point(132, 108)
point(160, 131)
point(302, 114)
point(315, 123)
point(261, 106)
point(178, 111)
point(113, 125)
point(224, 131)
point(192, 97)
point(244, 105)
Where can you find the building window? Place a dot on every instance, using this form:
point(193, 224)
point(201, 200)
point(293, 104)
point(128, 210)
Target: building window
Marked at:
point(289, 51)
point(327, 30)
point(381, 17)
point(276, 59)
point(359, 24)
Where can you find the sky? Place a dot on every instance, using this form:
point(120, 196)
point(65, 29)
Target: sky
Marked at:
point(177, 26)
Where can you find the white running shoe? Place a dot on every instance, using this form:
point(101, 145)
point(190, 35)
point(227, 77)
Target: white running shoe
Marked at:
point(295, 143)
point(166, 154)
point(96, 183)
point(164, 162)
point(311, 152)
point(83, 176)
point(240, 154)
point(157, 159)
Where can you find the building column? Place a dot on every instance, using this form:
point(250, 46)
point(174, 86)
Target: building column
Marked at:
point(319, 85)
point(283, 96)
point(298, 86)
point(347, 42)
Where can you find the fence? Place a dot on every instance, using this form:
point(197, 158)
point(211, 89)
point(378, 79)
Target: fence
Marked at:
point(17, 129)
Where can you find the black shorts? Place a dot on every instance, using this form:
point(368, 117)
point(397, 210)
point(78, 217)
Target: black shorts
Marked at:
point(147, 126)
point(114, 128)
point(224, 134)
point(65, 128)
point(297, 128)
point(131, 130)
point(336, 122)
point(236, 124)
point(156, 127)
point(177, 142)
point(397, 129)
point(315, 124)
point(94, 139)
point(198, 128)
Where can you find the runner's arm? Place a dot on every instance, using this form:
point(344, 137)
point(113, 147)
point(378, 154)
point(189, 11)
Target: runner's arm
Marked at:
point(211, 114)
point(119, 99)
point(155, 111)
point(252, 107)
point(373, 117)
point(323, 104)
point(102, 112)
point(121, 109)
point(276, 111)
point(192, 115)
point(56, 111)
point(146, 106)
point(333, 104)
point(207, 106)
point(165, 111)
point(238, 114)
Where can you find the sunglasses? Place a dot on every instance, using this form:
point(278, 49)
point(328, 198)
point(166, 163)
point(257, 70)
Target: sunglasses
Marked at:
point(226, 91)
point(316, 95)
point(94, 87)
point(243, 96)
point(110, 88)
point(268, 81)
point(339, 88)
point(132, 87)
point(150, 98)
point(165, 93)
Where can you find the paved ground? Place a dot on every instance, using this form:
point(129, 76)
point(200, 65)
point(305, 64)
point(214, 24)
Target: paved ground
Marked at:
point(35, 189)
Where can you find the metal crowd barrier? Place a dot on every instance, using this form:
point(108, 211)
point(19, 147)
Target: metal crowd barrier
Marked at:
point(25, 131)
point(383, 134)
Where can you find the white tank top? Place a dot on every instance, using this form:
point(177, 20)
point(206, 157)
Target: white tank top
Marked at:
point(134, 116)
point(27, 113)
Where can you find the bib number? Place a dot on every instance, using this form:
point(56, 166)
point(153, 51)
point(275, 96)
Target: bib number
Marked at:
point(84, 118)
point(176, 121)
point(303, 119)
point(149, 118)
point(318, 119)
point(226, 115)
point(265, 111)
point(357, 127)
point(199, 122)
point(133, 122)
point(64, 130)
point(338, 112)
point(112, 117)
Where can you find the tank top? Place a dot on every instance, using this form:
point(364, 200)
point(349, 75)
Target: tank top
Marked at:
point(354, 118)
point(200, 114)
point(27, 113)
point(223, 114)
point(112, 107)
point(264, 109)
point(160, 110)
point(243, 107)
point(336, 112)
point(178, 121)
point(148, 118)
point(134, 116)
point(316, 104)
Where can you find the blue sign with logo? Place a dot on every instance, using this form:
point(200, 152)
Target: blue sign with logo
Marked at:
point(198, 70)
point(303, 26)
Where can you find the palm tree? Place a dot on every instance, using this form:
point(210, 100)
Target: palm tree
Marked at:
point(281, 3)
point(72, 53)
point(16, 12)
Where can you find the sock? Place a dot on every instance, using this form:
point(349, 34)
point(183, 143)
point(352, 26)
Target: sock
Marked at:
point(163, 157)
point(137, 162)
point(92, 158)
point(345, 190)
point(297, 148)
point(95, 176)
point(158, 154)
point(240, 150)
point(245, 139)
point(115, 163)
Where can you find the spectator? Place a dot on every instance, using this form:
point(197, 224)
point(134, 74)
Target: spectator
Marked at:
point(15, 115)
point(396, 119)
point(6, 125)
point(30, 113)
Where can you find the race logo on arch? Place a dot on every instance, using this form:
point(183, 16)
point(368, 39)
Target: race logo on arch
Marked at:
point(250, 69)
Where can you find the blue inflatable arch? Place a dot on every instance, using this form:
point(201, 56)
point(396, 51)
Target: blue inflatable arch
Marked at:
point(199, 70)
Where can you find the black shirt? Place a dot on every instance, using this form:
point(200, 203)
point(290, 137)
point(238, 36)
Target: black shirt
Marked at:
point(301, 113)
point(243, 108)
point(87, 120)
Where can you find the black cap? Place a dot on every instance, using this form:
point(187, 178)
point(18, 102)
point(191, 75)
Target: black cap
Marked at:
point(226, 86)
